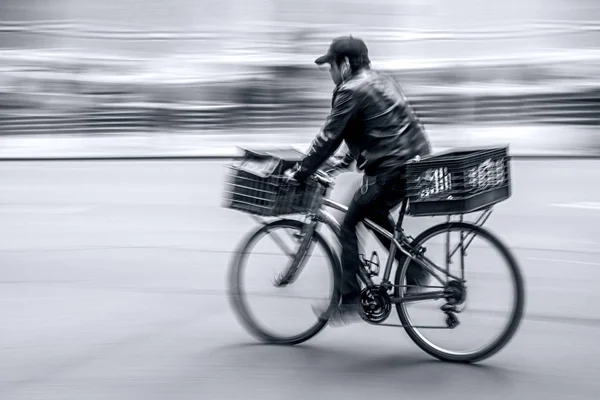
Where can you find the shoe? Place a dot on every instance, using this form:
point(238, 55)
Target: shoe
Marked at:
point(342, 315)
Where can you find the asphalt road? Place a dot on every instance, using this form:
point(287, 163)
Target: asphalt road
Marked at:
point(113, 287)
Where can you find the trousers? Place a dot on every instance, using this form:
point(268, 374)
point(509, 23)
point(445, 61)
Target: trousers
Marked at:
point(374, 200)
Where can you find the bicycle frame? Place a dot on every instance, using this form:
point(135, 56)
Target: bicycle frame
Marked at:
point(399, 242)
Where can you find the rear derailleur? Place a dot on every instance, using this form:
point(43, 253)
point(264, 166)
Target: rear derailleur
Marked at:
point(456, 294)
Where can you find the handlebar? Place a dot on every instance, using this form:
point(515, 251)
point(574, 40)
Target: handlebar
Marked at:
point(325, 178)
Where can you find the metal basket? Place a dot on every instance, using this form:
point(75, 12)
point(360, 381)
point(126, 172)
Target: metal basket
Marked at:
point(257, 186)
point(459, 181)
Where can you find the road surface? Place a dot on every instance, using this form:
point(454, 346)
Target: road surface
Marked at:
point(113, 287)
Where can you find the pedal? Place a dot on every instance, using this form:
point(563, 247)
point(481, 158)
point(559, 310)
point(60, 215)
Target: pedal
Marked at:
point(448, 308)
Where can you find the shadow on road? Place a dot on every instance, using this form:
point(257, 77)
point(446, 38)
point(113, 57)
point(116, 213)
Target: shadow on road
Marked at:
point(355, 360)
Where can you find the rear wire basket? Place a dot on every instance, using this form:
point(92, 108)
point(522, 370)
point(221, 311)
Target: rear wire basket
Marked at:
point(459, 181)
point(257, 186)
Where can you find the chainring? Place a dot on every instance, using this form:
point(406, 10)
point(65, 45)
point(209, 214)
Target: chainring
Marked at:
point(376, 304)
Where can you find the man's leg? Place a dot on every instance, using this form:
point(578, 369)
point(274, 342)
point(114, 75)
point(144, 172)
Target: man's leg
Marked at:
point(350, 288)
point(373, 200)
point(390, 196)
point(415, 275)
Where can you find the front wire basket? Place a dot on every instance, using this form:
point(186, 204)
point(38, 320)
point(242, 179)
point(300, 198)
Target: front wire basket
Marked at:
point(270, 195)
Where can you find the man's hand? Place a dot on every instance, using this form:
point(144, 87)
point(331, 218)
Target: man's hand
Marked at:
point(339, 164)
point(290, 176)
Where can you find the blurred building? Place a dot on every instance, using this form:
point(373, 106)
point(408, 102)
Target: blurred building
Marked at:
point(395, 29)
point(192, 64)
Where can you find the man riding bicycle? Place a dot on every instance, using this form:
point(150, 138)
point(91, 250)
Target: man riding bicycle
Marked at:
point(370, 113)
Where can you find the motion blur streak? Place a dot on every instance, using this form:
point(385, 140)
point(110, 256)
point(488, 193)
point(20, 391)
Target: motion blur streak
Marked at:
point(112, 274)
point(158, 67)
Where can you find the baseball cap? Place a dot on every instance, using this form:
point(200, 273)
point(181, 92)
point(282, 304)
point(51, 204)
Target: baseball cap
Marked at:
point(348, 46)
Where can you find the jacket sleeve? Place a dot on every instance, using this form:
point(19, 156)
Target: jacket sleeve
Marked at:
point(330, 138)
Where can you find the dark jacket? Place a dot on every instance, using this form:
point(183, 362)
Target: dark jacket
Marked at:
point(369, 112)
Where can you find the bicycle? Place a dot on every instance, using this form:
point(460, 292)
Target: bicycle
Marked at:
point(452, 183)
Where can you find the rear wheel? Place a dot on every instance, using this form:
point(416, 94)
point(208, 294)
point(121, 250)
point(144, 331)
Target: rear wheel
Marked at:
point(449, 311)
point(239, 283)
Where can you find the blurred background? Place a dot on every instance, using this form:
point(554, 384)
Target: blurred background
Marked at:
point(113, 274)
point(184, 66)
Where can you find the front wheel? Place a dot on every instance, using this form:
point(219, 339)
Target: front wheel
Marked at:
point(273, 266)
point(464, 274)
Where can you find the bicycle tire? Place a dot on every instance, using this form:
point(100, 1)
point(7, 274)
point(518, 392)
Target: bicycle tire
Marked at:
point(236, 291)
point(518, 309)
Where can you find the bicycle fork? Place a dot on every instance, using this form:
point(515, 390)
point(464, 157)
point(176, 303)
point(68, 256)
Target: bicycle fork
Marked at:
point(302, 255)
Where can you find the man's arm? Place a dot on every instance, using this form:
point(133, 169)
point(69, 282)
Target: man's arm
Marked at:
point(331, 136)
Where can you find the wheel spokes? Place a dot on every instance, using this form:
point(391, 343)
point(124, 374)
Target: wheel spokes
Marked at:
point(448, 305)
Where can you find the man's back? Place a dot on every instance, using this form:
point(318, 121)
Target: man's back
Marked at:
point(384, 132)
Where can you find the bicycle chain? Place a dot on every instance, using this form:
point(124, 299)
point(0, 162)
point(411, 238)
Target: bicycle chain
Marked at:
point(411, 326)
point(449, 312)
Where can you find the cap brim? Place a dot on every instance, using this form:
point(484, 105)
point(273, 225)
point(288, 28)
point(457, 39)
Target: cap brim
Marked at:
point(323, 59)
